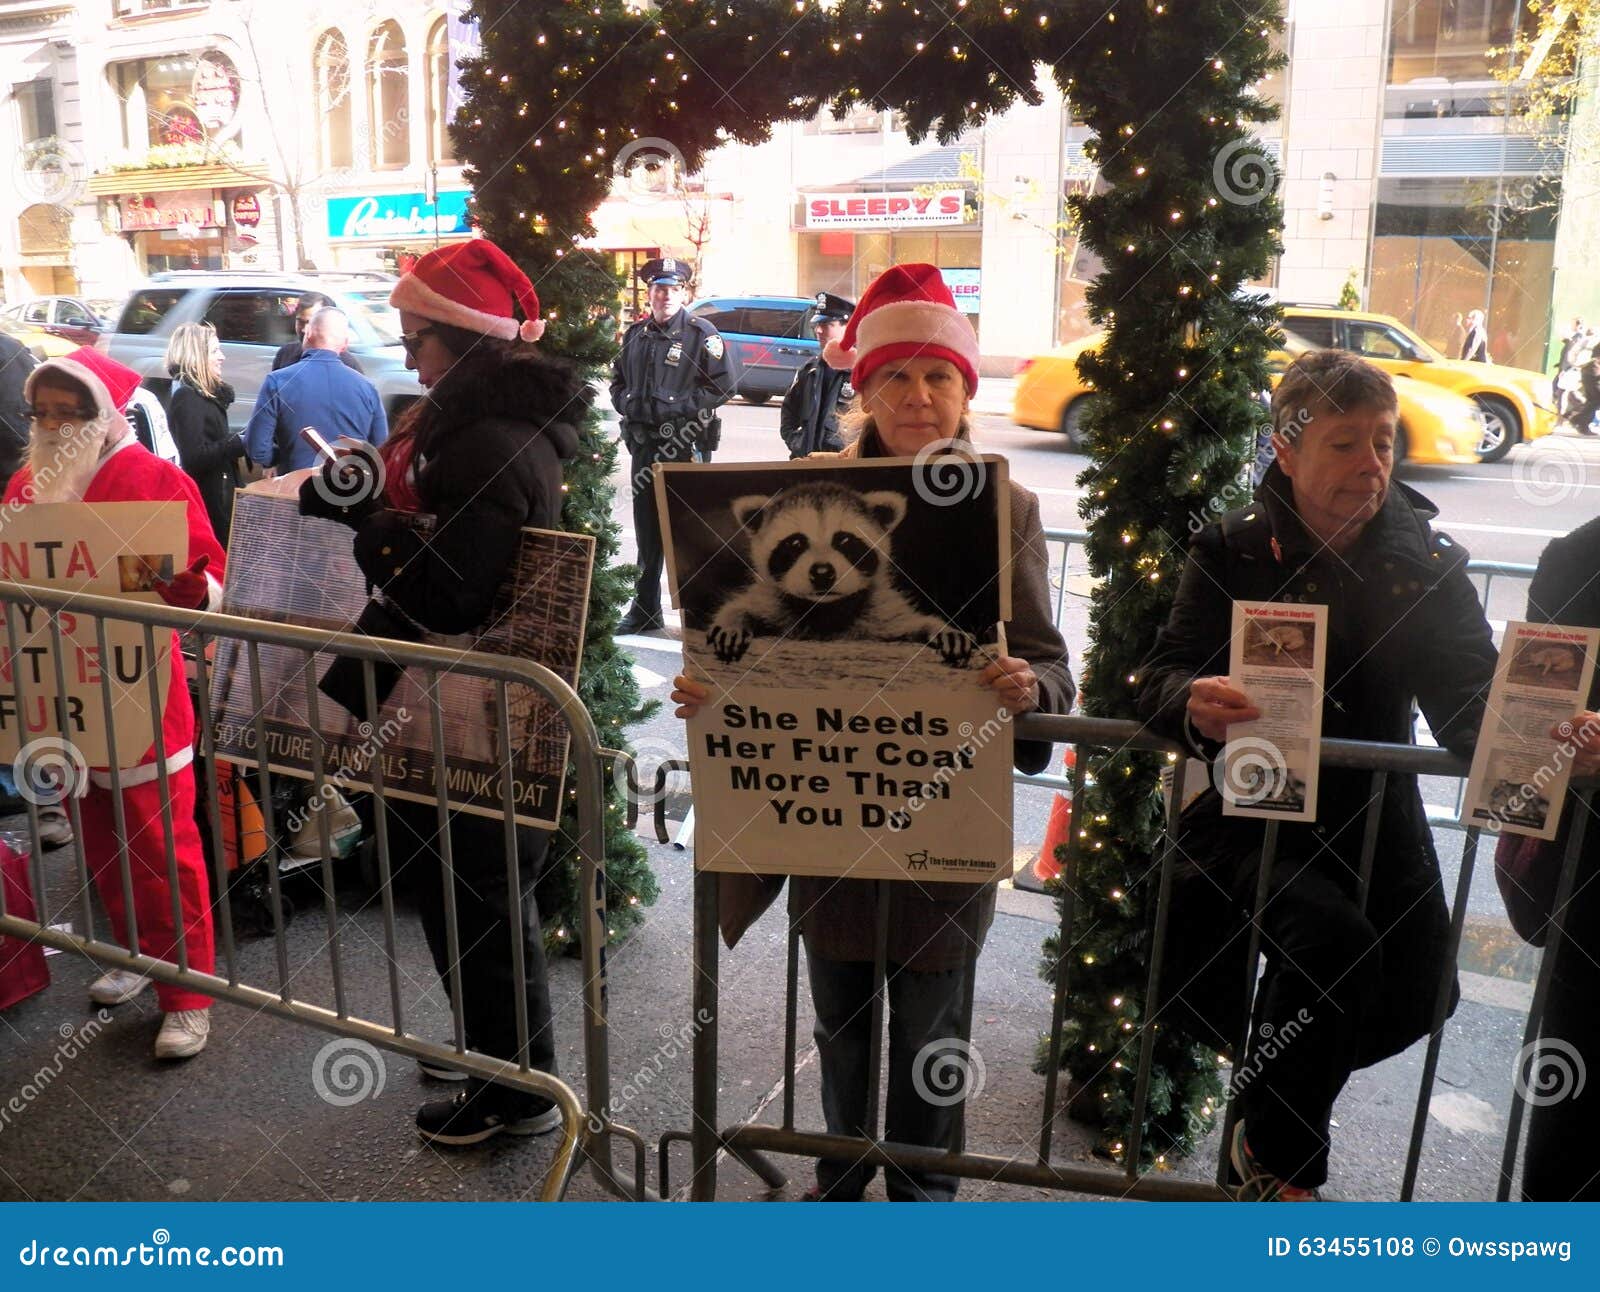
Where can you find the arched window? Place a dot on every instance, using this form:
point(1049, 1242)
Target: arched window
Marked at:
point(335, 111)
point(440, 149)
point(389, 98)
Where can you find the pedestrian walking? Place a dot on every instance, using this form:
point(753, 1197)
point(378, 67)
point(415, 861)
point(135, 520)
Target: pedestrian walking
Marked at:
point(81, 449)
point(482, 452)
point(208, 449)
point(1475, 336)
point(1351, 981)
point(1583, 413)
point(916, 366)
point(318, 391)
point(667, 382)
point(290, 351)
point(809, 419)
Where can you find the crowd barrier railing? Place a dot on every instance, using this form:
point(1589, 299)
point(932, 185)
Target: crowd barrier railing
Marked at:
point(750, 1142)
point(585, 1136)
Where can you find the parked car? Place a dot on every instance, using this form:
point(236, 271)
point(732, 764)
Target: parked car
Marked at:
point(38, 342)
point(254, 315)
point(1436, 425)
point(69, 317)
point(768, 338)
point(1517, 403)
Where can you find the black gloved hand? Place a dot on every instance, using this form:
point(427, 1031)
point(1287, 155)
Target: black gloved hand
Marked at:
point(349, 489)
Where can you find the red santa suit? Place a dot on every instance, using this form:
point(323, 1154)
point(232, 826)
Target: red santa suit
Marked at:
point(128, 472)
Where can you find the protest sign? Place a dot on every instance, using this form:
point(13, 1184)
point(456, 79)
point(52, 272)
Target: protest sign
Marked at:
point(299, 569)
point(843, 613)
point(1277, 657)
point(1519, 770)
point(112, 549)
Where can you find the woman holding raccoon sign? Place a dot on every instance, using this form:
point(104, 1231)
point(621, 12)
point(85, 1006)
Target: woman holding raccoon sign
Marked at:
point(913, 358)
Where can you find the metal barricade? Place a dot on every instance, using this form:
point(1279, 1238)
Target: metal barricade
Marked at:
point(583, 1138)
point(749, 1142)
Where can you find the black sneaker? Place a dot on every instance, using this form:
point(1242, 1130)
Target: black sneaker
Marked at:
point(638, 620)
point(471, 1119)
point(440, 1071)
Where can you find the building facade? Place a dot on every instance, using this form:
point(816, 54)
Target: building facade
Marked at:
point(161, 134)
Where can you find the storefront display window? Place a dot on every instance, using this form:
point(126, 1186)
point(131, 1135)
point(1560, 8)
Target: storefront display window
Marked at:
point(177, 99)
point(1442, 247)
point(844, 262)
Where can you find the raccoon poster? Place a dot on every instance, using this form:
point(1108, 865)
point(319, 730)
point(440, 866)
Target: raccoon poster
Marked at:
point(843, 613)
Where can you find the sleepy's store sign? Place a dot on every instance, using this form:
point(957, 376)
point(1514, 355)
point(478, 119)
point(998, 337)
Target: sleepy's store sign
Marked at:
point(885, 210)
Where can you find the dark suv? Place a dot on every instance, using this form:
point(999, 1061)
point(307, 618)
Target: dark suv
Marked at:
point(768, 338)
point(254, 315)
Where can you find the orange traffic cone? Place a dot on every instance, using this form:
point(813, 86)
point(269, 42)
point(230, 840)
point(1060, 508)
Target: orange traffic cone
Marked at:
point(1045, 866)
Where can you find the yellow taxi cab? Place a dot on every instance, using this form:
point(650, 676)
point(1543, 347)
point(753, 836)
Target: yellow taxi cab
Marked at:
point(1517, 403)
point(1436, 426)
point(36, 340)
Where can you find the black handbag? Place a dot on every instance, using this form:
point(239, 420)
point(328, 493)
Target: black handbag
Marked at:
point(343, 682)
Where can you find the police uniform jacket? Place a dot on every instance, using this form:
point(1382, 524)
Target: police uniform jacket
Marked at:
point(669, 375)
point(803, 430)
point(1404, 626)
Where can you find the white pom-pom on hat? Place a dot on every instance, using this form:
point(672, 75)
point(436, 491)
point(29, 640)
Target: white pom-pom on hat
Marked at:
point(531, 330)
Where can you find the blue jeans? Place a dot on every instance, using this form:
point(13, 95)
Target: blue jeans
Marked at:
point(923, 1008)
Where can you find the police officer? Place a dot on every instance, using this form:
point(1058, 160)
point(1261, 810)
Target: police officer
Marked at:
point(809, 421)
point(667, 382)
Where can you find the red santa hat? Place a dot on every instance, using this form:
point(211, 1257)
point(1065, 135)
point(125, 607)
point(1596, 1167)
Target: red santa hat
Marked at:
point(110, 384)
point(907, 312)
point(471, 285)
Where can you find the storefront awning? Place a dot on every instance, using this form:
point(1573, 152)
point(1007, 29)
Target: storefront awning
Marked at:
point(172, 178)
point(931, 166)
point(624, 225)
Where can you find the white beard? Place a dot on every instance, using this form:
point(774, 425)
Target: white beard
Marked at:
point(62, 463)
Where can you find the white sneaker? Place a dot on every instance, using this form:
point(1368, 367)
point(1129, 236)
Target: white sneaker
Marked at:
point(117, 987)
point(183, 1034)
point(55, 829)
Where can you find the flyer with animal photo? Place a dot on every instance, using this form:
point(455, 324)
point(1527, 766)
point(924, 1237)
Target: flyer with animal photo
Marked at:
point(1519, 770)
point(1277, 657)
point(843, 613)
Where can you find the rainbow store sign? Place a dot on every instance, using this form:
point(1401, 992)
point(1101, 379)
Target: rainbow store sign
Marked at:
point(397, 217)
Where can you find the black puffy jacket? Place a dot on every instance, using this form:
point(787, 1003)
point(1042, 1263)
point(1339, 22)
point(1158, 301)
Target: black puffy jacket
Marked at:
point(488, 464)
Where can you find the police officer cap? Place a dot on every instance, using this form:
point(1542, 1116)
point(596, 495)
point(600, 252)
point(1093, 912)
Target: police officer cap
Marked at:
point(666, 270)
point(832, 309)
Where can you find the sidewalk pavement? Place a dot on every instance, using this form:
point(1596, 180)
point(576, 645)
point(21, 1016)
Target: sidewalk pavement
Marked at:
point(100, 1119)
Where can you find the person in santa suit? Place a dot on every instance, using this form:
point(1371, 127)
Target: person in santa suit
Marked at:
point(82, 449)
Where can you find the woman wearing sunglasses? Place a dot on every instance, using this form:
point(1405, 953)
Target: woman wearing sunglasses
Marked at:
point(482, 452)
